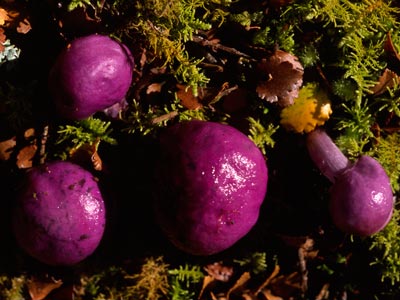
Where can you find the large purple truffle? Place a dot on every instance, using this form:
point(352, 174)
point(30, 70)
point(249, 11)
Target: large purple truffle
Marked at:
point(93, 73)
point(212, 180)
point(59, 217)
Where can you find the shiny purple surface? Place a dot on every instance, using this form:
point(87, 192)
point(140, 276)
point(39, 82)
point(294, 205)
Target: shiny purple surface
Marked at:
point(361, 198)
point(91, 74)
point(212, 181)
point(59, 217)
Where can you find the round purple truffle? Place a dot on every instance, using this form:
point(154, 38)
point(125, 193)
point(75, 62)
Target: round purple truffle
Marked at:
point(212, 180)
point(59, 217)
point(93, 73)
point(361, 198)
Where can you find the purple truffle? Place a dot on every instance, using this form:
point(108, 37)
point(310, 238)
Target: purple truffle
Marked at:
point(212, 180)
point(93, 73)
point(59, 217)
point(361, 197)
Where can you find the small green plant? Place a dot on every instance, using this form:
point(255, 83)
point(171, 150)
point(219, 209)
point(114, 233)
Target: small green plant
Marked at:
point(88, 131)
point(255, 262)
point(386, 246)
point(183, 281)
point(151, 283)
point(261, 135)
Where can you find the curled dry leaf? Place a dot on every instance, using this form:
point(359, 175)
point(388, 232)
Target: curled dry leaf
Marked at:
point(40, 288)
point(88, 153)
point(188, 99)
point(386, 81)
point(219, 271)
point(24, 26)
point(6, 148)
point(283, 77)
point(25, 156)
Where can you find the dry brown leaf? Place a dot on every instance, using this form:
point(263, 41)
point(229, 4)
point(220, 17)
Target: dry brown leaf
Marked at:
point(385, 81)
point(206, 283)
point(283, 77)
point(390, 48)
point(269, 279)
point(3, 16)
point(219, 271)
point(286, 286)
point(24, 26)
point(154, 87)
point(239, 284)
point(40, 288)
point(269, 296)
point(188, 100)
point(6, 148)
point(88, 153)
point(25, 156)
point(2, 36)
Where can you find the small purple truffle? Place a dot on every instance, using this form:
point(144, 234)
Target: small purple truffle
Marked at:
point(93, 73)
point(361, 197)
point(212, 180)
point(59, 217)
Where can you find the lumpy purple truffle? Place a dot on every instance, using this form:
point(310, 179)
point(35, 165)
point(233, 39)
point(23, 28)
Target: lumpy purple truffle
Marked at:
point(212, 180)
point(59, 217)
point(93, 73)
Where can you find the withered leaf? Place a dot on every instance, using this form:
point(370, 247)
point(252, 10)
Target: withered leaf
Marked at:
point(239, 284)
point(219, 271)
point(24, 26)
point(283, 77)
point(6, 148)
point(88, 153)
point(2, 37)
point(188, 99)
point(40, 288)
point(3, 16)
point(286, 286)
point(385, 81)
point(390, 48)
point(154, 87)
point(25, 156)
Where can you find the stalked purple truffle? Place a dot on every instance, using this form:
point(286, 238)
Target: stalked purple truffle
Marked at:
point(361, 195)
point(93, 73)
point(59, 216)
point(212, 180)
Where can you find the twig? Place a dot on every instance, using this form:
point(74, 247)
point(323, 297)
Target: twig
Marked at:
point(202, 41)
point(323, 293)
point(303, 269)
point(43, 141)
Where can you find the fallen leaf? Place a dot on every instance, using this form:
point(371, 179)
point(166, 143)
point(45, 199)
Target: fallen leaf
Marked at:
point(282, 78)
point(206, 283)
point(386, 81)
point(40, 288)
point(154, 87)
point(269, 296)
point(239, 284)
point(3, 16)
point(219, 271)
point(390, 48)
point(6, 148)
point(88, 153)
point(2, 37)
point(188, 99)
point(24, 26)
point(25, 156)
